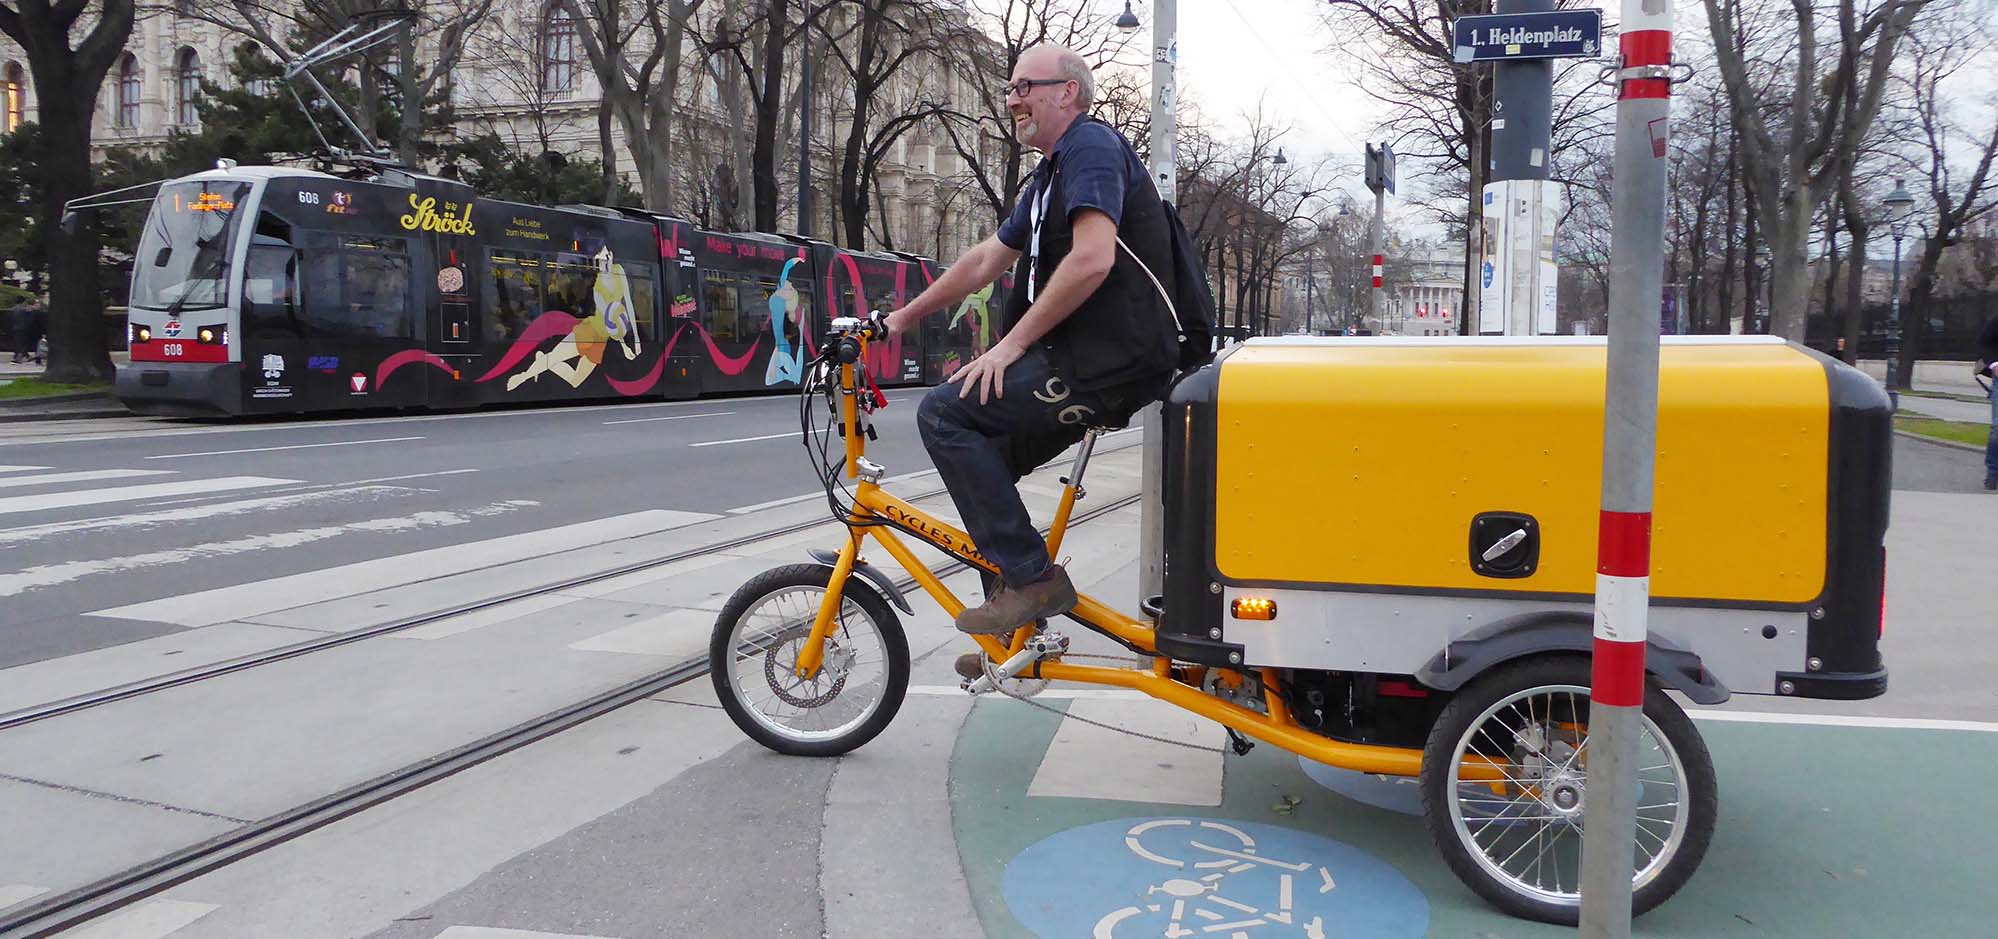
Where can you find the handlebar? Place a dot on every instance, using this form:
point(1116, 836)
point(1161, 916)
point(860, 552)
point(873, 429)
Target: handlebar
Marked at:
point(848, 332)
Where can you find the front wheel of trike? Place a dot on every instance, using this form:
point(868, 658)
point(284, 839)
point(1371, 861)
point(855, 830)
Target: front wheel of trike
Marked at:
point(853, 694)
point(1515, 837)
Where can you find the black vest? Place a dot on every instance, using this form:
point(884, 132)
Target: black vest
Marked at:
point(1122, 333)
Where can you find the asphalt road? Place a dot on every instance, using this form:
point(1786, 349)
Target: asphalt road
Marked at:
point(99, 516)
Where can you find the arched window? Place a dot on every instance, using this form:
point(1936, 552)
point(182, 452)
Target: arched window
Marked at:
point(558, 52)
point(128, 92)
point(187, 86)
point(17, 97)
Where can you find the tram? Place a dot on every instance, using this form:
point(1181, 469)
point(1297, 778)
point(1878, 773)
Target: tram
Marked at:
point(262, 290)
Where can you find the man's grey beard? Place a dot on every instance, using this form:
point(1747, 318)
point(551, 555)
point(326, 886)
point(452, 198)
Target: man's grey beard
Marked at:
point(1025, 131)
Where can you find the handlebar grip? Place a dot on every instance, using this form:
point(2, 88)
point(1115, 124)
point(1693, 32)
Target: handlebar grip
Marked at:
point(849, 350)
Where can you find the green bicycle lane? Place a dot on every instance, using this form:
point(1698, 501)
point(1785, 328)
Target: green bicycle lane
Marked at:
point(1824, 830)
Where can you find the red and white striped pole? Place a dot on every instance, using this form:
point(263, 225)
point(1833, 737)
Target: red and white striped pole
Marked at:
point(1630, 445)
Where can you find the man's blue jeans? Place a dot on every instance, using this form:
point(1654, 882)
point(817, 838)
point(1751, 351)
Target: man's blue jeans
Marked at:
point(982, 451)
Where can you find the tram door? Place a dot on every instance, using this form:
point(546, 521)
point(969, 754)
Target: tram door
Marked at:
point(453, 318)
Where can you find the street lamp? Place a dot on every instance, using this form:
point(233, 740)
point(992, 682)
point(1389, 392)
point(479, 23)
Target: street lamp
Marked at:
point(1897, 204)
point(1128, 21)
point(1279, 160)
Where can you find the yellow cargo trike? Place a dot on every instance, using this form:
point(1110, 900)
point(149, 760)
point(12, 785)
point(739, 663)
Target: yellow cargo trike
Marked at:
point(1380, 555)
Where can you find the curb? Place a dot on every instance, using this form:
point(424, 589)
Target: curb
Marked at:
point(1911, 435)
point(52, 399)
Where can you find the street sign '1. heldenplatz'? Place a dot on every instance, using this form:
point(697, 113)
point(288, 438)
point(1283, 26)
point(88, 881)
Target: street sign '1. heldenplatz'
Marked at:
point(1549, 35)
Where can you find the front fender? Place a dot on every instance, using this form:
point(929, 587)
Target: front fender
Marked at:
point(1515, 637)
point(873, 574)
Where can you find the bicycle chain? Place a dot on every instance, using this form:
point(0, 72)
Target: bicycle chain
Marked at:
point(1000, 684)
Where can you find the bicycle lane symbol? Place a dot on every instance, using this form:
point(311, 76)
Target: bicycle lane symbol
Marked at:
point(1179, 878)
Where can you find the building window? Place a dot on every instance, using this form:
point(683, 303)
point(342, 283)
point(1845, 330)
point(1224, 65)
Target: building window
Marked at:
point(17, 97)
point(558, 52)
point(128, 92)
point(187, 87)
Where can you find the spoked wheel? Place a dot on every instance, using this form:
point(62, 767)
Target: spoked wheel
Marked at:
point(1517, 840)
point(858, 688)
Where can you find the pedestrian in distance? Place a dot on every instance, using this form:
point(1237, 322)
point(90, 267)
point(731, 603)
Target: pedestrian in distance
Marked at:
point(1987, 368)
point(21, 327)
point(1088, 336)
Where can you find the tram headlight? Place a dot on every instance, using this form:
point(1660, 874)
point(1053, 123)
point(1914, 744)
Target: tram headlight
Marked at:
point(206, 335)
point(145, 334)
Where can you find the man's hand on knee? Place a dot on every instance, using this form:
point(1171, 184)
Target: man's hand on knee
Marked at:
point(987, 372)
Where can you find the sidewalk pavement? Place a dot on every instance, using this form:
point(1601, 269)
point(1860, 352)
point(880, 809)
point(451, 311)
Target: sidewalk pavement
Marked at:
point(61, 407)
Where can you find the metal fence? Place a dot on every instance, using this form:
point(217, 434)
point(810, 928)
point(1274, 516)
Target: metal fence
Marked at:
point(1946, 329)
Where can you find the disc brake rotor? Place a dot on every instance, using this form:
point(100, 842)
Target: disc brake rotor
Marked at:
point(784, 682)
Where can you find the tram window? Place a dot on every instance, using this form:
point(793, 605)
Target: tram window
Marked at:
point(513, 293)
point(569, 286)
point(270, 287)
point(378, 287)
point(325, 310)
point(722, 312)
point(846, 303)
point(756, 306)
point(643, 300)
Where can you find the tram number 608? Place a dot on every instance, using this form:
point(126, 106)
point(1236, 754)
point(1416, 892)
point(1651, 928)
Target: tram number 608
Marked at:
point(172, 348)
point(308, 198)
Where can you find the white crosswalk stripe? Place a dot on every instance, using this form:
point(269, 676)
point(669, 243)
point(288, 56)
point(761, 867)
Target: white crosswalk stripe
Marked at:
point(493, 932)
point(44, 502)
point(19, 469)
point(153, 919)
point(80, 476)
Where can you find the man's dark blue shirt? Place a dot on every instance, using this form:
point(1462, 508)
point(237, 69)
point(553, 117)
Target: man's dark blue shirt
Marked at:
point(1097, 169)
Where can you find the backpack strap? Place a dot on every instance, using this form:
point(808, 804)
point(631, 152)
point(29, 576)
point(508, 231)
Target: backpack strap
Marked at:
point(1163, 294)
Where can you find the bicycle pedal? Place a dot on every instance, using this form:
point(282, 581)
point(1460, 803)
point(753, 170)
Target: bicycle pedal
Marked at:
point(1040, 646)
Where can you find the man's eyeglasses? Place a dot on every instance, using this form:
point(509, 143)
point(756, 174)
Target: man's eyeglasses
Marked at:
point(1020, 88)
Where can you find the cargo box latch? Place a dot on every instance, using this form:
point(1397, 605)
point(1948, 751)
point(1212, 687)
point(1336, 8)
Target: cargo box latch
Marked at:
point(1505, 544)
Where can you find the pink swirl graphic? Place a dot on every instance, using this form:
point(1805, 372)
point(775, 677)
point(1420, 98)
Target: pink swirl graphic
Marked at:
point(551, 323)
point(639, 386)
point(406, 356)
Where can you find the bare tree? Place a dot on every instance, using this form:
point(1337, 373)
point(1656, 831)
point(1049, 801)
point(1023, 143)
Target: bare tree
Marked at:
point(636, 55)
point(1958, 200)
point(1830, 111)
point(68, 77)
point(985, 50)
point(885, 36)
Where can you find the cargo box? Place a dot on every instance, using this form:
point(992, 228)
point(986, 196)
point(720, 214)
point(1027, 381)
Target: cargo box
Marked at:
point(1429, 506)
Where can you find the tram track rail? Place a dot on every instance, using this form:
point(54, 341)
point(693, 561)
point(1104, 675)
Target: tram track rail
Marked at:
point(75, 907)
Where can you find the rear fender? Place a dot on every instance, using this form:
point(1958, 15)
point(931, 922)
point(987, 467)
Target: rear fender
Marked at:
point(1515, 637)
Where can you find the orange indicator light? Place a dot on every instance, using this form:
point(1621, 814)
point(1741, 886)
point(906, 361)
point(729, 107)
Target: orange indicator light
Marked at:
point(1253, 608)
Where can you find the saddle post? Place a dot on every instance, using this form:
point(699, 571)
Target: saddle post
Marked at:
point(1072, 491)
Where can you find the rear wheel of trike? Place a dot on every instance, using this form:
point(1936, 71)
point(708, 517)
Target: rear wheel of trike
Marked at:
point(1517, 840)
point(857, 689)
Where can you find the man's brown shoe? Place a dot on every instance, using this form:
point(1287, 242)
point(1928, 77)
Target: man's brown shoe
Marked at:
point(1009, 608)
point(971, 666)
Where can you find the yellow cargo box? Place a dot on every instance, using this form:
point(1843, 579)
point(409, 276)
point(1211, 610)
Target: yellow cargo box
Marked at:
point(1418, 505)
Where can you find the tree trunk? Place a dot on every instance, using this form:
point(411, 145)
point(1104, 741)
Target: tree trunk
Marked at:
point(763, 152)
point(1915, 312)
point(604, 139)
point(78, 351)
point(1848, 326)
point(409, 135)
point(1790, 274)
point(1751, 274)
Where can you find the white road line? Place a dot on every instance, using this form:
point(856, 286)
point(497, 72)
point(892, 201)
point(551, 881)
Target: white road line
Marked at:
point(1084, 759)
point(1701, 714)
point(222, 604)
point(760, 506)
point(676, 417)
point(677, 634)
point(49, 575)
point(491, 616)
point(64, 500)
point(11, 894)
point(1843, 720)
point(153, 919)
point(83, 476)
point(494, 932)
point(300, 446)
point(17, 469)
point(717, 443)
point(190, 513)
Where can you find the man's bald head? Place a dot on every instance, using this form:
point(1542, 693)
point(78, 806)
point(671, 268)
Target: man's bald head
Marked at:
point(1062, 89)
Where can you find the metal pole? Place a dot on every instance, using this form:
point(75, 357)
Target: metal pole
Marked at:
point(1380, 252)
point(1894, 328)
point(1630, 444)
point(1165, 135)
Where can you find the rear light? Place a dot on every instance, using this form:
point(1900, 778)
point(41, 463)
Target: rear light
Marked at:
point(1253, 608)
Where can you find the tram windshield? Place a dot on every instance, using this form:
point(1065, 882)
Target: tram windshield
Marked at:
point(183, 257)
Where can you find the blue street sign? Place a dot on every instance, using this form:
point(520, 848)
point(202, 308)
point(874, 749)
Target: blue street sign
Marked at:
point(1549, 35)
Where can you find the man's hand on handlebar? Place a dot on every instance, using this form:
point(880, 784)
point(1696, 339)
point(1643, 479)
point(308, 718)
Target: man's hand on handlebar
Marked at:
point(901, 321)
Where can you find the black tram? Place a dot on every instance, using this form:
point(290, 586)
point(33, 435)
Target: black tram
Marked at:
point(271, 290)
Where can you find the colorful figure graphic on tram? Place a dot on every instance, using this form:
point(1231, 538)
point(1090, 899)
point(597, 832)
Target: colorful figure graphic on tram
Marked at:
point(582, 350)
point(787, 365)
point(978, 306)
